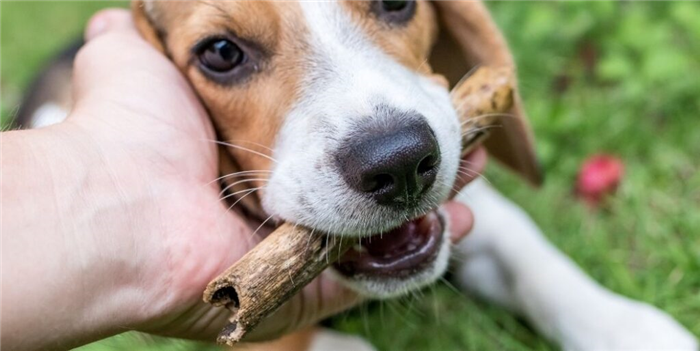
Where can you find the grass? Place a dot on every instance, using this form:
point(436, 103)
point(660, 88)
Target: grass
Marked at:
point(613, 77)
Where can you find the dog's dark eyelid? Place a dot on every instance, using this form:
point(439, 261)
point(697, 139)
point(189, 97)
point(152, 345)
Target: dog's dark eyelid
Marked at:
point(226, 59)
point(394, 5)
point(395, 12)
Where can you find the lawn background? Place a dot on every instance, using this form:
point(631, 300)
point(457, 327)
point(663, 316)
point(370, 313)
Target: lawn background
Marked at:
point(614, 77)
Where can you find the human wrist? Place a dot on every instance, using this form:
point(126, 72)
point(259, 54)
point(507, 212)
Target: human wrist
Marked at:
point(59, 188)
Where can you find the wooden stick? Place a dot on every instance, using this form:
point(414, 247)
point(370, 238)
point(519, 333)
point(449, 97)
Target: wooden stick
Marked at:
point(289, 258)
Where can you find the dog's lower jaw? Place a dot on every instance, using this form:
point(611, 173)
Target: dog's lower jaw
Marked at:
point(383, 287)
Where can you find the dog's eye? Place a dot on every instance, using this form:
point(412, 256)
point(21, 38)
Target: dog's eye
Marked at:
point(221, 55)
point(395, 11)
point(394, 5)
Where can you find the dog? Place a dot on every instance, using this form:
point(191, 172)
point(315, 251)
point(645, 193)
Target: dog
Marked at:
point(343, 110)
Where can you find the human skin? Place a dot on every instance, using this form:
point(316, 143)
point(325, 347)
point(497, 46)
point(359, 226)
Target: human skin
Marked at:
point(111, 221)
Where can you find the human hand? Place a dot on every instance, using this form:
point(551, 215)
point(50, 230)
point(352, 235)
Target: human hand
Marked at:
point(136, 228)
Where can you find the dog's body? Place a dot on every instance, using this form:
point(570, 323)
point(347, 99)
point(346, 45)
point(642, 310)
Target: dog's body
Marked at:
point(353, 134)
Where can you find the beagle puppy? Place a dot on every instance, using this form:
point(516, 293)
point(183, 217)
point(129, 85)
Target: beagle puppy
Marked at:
point(364, 141)
point(339, 114)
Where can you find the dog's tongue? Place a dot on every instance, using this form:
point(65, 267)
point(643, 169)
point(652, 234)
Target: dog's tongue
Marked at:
point(405, 238)
point(395, 253)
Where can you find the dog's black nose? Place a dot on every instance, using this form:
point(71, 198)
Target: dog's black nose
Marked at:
point(393, 164)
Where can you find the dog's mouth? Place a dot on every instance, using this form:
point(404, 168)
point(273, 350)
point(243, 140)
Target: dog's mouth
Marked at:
point(399, 253)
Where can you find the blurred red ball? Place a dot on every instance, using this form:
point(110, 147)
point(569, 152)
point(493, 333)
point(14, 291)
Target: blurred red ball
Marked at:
point(599, 176)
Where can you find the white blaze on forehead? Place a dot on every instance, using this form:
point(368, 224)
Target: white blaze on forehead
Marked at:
point(350, 76)
point(360, 70)
point(327, 21)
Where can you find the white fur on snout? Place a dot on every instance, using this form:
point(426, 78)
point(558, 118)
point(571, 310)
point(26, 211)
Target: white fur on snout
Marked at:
point(347, 78)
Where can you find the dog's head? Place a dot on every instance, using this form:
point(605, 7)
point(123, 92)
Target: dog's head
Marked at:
point(336, 118)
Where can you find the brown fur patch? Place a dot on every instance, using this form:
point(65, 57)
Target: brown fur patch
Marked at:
point(249, 114)
point(409, 43)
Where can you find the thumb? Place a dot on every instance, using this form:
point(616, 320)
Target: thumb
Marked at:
point(109, 20)
point(113, 49)
point(461, 219)
point(116, 59)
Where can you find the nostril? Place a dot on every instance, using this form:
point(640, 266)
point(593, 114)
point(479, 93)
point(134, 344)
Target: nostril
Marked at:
point(427, 164)
point(394, 164)
point(378, 182)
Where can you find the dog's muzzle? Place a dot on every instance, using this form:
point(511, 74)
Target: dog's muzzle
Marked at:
point(393, 162)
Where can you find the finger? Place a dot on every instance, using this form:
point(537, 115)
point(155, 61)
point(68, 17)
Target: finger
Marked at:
point(322, 298)
point(116, 59)
point(109, 20)
point(470, 168)
point(460, 219)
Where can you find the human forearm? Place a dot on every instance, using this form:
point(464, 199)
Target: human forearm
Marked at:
point(59, 283)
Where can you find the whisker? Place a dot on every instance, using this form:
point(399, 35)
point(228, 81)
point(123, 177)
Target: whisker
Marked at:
point(239, 182)
point(244, 149)
point(308, 242)
point(479, 129)
point(453, 188)
point(468, 172)
point(486, 115)
point(250, 191)
point(474, 173)
point(251, 142)
point(450, 286)
point(236, 193)
point(421, 65)
point(339, 250)
point(465, 77)
point(436, 308)
point(235, 174)
point(261, 225)
point(460, 172)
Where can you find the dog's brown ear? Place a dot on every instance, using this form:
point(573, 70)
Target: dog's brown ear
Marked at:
point(144, 19)
point(469, 38)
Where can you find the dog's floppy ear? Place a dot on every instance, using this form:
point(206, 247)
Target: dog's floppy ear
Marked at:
point(144, 12)
point(469, 38)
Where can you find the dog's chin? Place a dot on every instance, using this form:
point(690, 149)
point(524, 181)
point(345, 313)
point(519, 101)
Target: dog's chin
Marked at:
point(393, 263)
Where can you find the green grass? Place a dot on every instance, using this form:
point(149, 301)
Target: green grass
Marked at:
point(619, 78)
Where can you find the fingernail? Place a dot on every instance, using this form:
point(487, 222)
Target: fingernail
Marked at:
point(97, 26)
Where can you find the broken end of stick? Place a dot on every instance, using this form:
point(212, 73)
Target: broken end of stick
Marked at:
point(222, 292)
point(231, 334)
